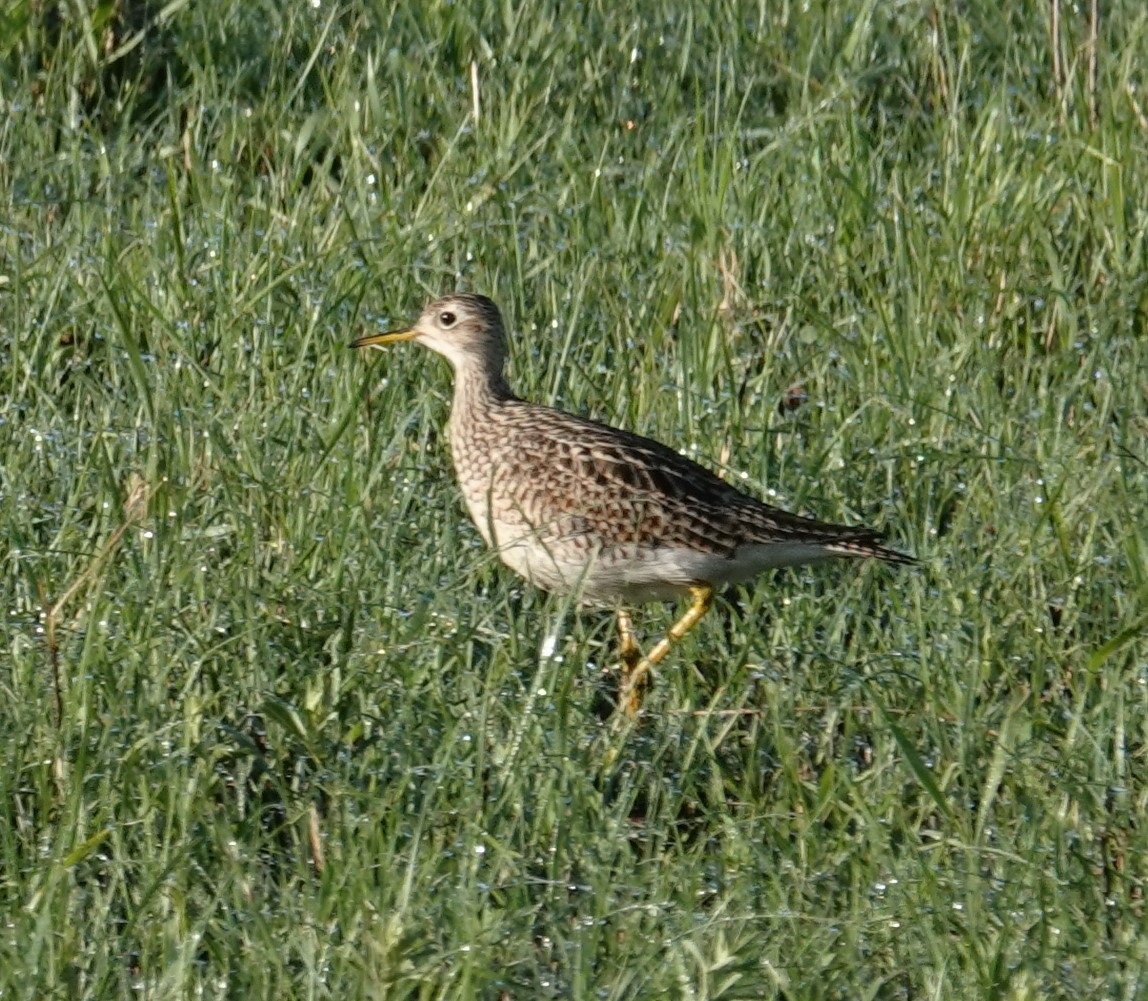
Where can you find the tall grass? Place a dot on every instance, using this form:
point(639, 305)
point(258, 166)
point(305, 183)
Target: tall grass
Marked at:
point(274, 724)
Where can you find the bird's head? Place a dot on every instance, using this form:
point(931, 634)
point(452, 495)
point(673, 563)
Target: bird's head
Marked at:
point(465, 329)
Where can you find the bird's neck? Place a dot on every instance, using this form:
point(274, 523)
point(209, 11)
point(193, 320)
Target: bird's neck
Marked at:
point(478, 388)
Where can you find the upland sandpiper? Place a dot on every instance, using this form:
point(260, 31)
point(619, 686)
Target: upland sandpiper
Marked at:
point(579, 507)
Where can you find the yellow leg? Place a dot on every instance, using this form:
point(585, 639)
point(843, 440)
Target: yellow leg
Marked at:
point(628, 648)
point(636, 678)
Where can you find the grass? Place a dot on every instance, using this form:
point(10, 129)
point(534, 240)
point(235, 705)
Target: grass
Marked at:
point(274, 724)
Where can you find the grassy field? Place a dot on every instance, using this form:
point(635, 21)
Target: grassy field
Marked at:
point(273, 724)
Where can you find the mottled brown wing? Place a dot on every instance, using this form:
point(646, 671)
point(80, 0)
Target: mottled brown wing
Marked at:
point(632, 489)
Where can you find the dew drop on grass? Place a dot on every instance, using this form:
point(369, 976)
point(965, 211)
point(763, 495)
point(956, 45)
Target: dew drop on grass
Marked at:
point(549, 645)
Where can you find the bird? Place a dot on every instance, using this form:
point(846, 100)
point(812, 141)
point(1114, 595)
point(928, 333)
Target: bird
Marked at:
point(579, 507)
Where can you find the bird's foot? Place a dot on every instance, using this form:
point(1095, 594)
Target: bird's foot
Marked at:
point(638, 671)
point(633, 677)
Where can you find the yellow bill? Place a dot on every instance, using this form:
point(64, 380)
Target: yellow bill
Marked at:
point(390, 337)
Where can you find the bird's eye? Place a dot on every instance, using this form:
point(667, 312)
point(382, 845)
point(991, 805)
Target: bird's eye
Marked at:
point(447, 319)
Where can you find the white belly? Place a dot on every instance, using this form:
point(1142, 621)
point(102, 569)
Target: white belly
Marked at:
point(633, 575)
